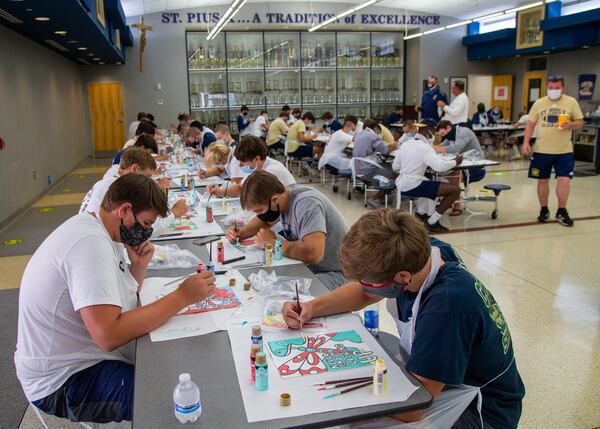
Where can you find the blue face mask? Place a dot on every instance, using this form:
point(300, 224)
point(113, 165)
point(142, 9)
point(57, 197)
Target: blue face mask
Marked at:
point(327, 123)
point(135, 234)
point(246, 169)
point(351, 132)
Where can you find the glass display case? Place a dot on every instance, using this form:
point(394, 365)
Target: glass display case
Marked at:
point(386, 50)
point(360, 73)
point(353, 50)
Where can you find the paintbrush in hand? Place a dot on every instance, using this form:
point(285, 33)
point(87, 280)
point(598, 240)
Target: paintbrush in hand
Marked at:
point(299, 309)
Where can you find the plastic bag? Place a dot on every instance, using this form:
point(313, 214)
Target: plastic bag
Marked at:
point(273, 313)
point(241, 214)
point(171, 256)
point(271, 286)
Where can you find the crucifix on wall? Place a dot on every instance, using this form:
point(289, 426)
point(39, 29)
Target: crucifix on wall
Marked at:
point(142, 28)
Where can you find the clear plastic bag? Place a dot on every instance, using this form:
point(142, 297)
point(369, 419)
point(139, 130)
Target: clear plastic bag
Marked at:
point(171, 256)
point(271, 286)
point(240, 214)
point(273, 313)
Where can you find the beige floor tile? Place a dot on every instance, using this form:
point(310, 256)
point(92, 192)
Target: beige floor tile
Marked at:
point(100, 169)
point(12, 268)
point(557, 348)
point(562, 265)
point(59, 200)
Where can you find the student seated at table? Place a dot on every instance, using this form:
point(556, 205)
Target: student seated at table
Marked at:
point(334, 149)
point(77, 306)
point(243, 123)
point(295, 116)
point(481, 117)
point(367, 144)
point(144, 127)
point(496, 114)
point(216, 158)
point(278, 129)
point(312, 227)
point(144, 141)
point(134, 160)
point(459, 139)
point(208, 135)
point(407, 127)
point(396, 117)
point(330, 125)
point(411, 162)
point(193, 138)
point(151, 119)
point(251, 152)
point(131, 133)
point(299, 143)
point(260, 126)
point(232, 165)
point(452, 331)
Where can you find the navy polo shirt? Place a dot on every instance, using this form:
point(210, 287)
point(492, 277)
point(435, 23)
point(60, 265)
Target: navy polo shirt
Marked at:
point(429, 103)
point(461, 337)
point(335, 126)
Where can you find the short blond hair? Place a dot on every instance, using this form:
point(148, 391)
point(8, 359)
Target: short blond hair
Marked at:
point(216, 154)
point(381, 244)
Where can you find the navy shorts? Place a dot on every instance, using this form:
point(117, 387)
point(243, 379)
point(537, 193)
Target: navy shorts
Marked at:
point(427, 189)
point(304, 151)
point(475, 175)
point(542, 163)
point(101, 393)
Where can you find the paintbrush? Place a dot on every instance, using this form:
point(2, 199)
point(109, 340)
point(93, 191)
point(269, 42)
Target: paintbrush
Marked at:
point(299, 311)
point(343, 380)
point(350, 389)
point(347, 383)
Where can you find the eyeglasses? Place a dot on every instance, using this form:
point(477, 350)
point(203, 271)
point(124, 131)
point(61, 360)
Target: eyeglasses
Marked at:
point(555, 78)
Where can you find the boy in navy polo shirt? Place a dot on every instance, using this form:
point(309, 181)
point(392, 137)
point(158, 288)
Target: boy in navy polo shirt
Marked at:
point(460, 335)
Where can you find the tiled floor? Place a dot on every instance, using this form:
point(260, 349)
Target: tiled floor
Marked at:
point(546, 279)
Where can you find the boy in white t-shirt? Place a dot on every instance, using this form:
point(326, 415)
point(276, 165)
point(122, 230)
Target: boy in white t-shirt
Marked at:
point(260, 126)
point(334, 149)
point(77, 306)
point(251, 152)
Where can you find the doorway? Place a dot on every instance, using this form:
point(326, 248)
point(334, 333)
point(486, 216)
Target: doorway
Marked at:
point(534, 87)
point(480, 91)
point(107, 117)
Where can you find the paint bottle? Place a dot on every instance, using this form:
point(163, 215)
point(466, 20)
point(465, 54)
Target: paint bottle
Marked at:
point(210, 266)
point(278, 250)
point(254, 349)
point(191, 184)
point(183, 183)
point(380, 378)
point(209, 213)
point(262, 372)
point(268, 255)
point(200, 268)
point(257, 337)
point(220, 252)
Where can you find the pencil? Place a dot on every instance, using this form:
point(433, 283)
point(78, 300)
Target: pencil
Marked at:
point(299, 311)
point(350, 389)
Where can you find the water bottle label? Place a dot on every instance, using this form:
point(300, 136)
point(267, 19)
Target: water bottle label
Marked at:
point(371, 319)
point(187, 409)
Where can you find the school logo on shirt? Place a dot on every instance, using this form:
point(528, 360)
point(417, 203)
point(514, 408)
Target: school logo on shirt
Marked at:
point(549, 116)
point(495, 313)
point(122, 266)
point(535, 172)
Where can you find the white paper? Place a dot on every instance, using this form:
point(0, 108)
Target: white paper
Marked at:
point(200, 228)
point(252, 257)
point(191, 325)
point(306, 399)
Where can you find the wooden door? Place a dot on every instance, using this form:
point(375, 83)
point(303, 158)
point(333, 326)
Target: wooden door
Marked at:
point(502, 94)
point(107, 116)
point(534, 87)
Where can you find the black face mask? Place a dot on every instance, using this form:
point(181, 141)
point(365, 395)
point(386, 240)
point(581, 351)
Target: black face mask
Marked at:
point(134, 235)
point(270, 215)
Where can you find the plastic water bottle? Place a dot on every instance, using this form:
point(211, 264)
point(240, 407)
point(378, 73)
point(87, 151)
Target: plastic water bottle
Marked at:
point(186, 398)
point(371, 318)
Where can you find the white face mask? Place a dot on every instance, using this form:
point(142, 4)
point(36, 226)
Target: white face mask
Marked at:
point(554, 94)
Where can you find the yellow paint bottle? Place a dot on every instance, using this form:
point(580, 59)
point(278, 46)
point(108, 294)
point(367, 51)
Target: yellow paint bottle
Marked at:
point(380, 378)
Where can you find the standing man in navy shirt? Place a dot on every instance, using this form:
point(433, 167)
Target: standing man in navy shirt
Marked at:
point(428, 106)
point(452, 331)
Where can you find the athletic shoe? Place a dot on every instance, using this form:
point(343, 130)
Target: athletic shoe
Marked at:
point(562, 216)
point(436, 228)
point(544, 215)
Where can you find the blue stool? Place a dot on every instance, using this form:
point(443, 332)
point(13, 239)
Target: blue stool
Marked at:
point(496, 188)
